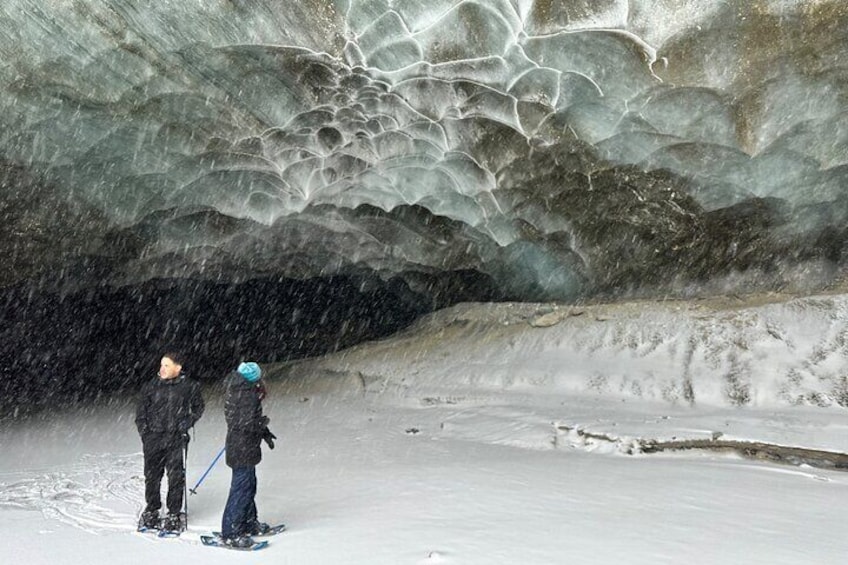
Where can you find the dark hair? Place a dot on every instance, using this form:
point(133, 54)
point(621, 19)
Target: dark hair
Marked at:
point(177, 358)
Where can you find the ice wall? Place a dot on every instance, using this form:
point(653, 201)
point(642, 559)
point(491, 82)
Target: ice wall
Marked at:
point(763, 353)
point(552, 148)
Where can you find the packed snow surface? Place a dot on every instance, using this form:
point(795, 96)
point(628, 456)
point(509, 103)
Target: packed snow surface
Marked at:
point(490, 434)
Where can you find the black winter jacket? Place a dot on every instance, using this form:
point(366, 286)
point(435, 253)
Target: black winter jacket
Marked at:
point(168, 407)
point(245, 422)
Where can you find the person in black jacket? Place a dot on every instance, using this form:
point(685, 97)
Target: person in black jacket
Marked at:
point(246, 428)
point(168, 408)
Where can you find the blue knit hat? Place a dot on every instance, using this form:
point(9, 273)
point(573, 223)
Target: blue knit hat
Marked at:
point(250, 371)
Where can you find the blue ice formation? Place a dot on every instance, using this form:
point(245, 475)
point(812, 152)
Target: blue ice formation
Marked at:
point(556, 148)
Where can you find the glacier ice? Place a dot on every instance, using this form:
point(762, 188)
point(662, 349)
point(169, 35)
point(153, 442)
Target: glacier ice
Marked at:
point(560, 149)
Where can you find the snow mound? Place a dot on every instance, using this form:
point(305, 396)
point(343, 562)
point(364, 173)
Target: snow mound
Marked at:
point(767, 354)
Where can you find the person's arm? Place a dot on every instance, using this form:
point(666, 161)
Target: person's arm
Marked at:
point(265, 432)
point(260, 421)
point(142, 411)
point(240, 411)
point(197, 405)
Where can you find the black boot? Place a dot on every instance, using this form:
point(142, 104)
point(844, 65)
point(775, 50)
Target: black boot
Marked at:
point(257, 528)
point(149, 520)
point(173, 523)
point(240, 542)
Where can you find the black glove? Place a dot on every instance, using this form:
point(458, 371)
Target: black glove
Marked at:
point(269, 438)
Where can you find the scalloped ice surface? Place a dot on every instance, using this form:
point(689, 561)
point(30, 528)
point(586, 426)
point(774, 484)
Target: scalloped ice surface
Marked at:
point(557, 148)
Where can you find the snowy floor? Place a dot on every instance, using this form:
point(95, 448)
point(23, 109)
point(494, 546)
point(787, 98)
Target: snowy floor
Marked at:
point(431, 473)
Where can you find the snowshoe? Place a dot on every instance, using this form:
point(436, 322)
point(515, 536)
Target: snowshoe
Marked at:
point(262, 530)
point(240, 543)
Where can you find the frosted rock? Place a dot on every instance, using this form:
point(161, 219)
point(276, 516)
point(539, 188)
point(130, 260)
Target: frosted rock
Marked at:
point(547, 320)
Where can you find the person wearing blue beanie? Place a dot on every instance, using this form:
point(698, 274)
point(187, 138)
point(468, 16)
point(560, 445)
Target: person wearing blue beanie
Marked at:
point(250, 371)
point(247, 427)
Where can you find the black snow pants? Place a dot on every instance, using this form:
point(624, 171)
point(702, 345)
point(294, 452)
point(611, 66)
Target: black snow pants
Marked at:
point(163, 453)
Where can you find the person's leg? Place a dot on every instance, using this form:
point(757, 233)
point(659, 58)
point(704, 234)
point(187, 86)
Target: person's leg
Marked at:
point(252, 520)
point(235, 512)
point(250, 516)
point(176, 478)
point(154, 468)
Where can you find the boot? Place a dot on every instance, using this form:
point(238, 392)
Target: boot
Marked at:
point(238, 541)
point(258, 528)
point(173, 523)
point(149, 520)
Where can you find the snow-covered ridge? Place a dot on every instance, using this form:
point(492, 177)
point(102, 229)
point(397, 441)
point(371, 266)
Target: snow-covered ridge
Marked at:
point(775, 352)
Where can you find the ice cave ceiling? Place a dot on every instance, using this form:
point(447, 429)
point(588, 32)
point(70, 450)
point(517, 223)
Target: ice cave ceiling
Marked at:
point(552, 149)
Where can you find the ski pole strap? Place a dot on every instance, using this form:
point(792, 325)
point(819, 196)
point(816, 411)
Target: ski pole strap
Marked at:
point(220, 453)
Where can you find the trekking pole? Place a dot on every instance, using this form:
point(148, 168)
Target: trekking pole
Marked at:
point(185, 483)
point(220, 453)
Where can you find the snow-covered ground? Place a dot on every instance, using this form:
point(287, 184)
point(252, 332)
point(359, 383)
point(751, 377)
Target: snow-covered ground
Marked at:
point(499, 434)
